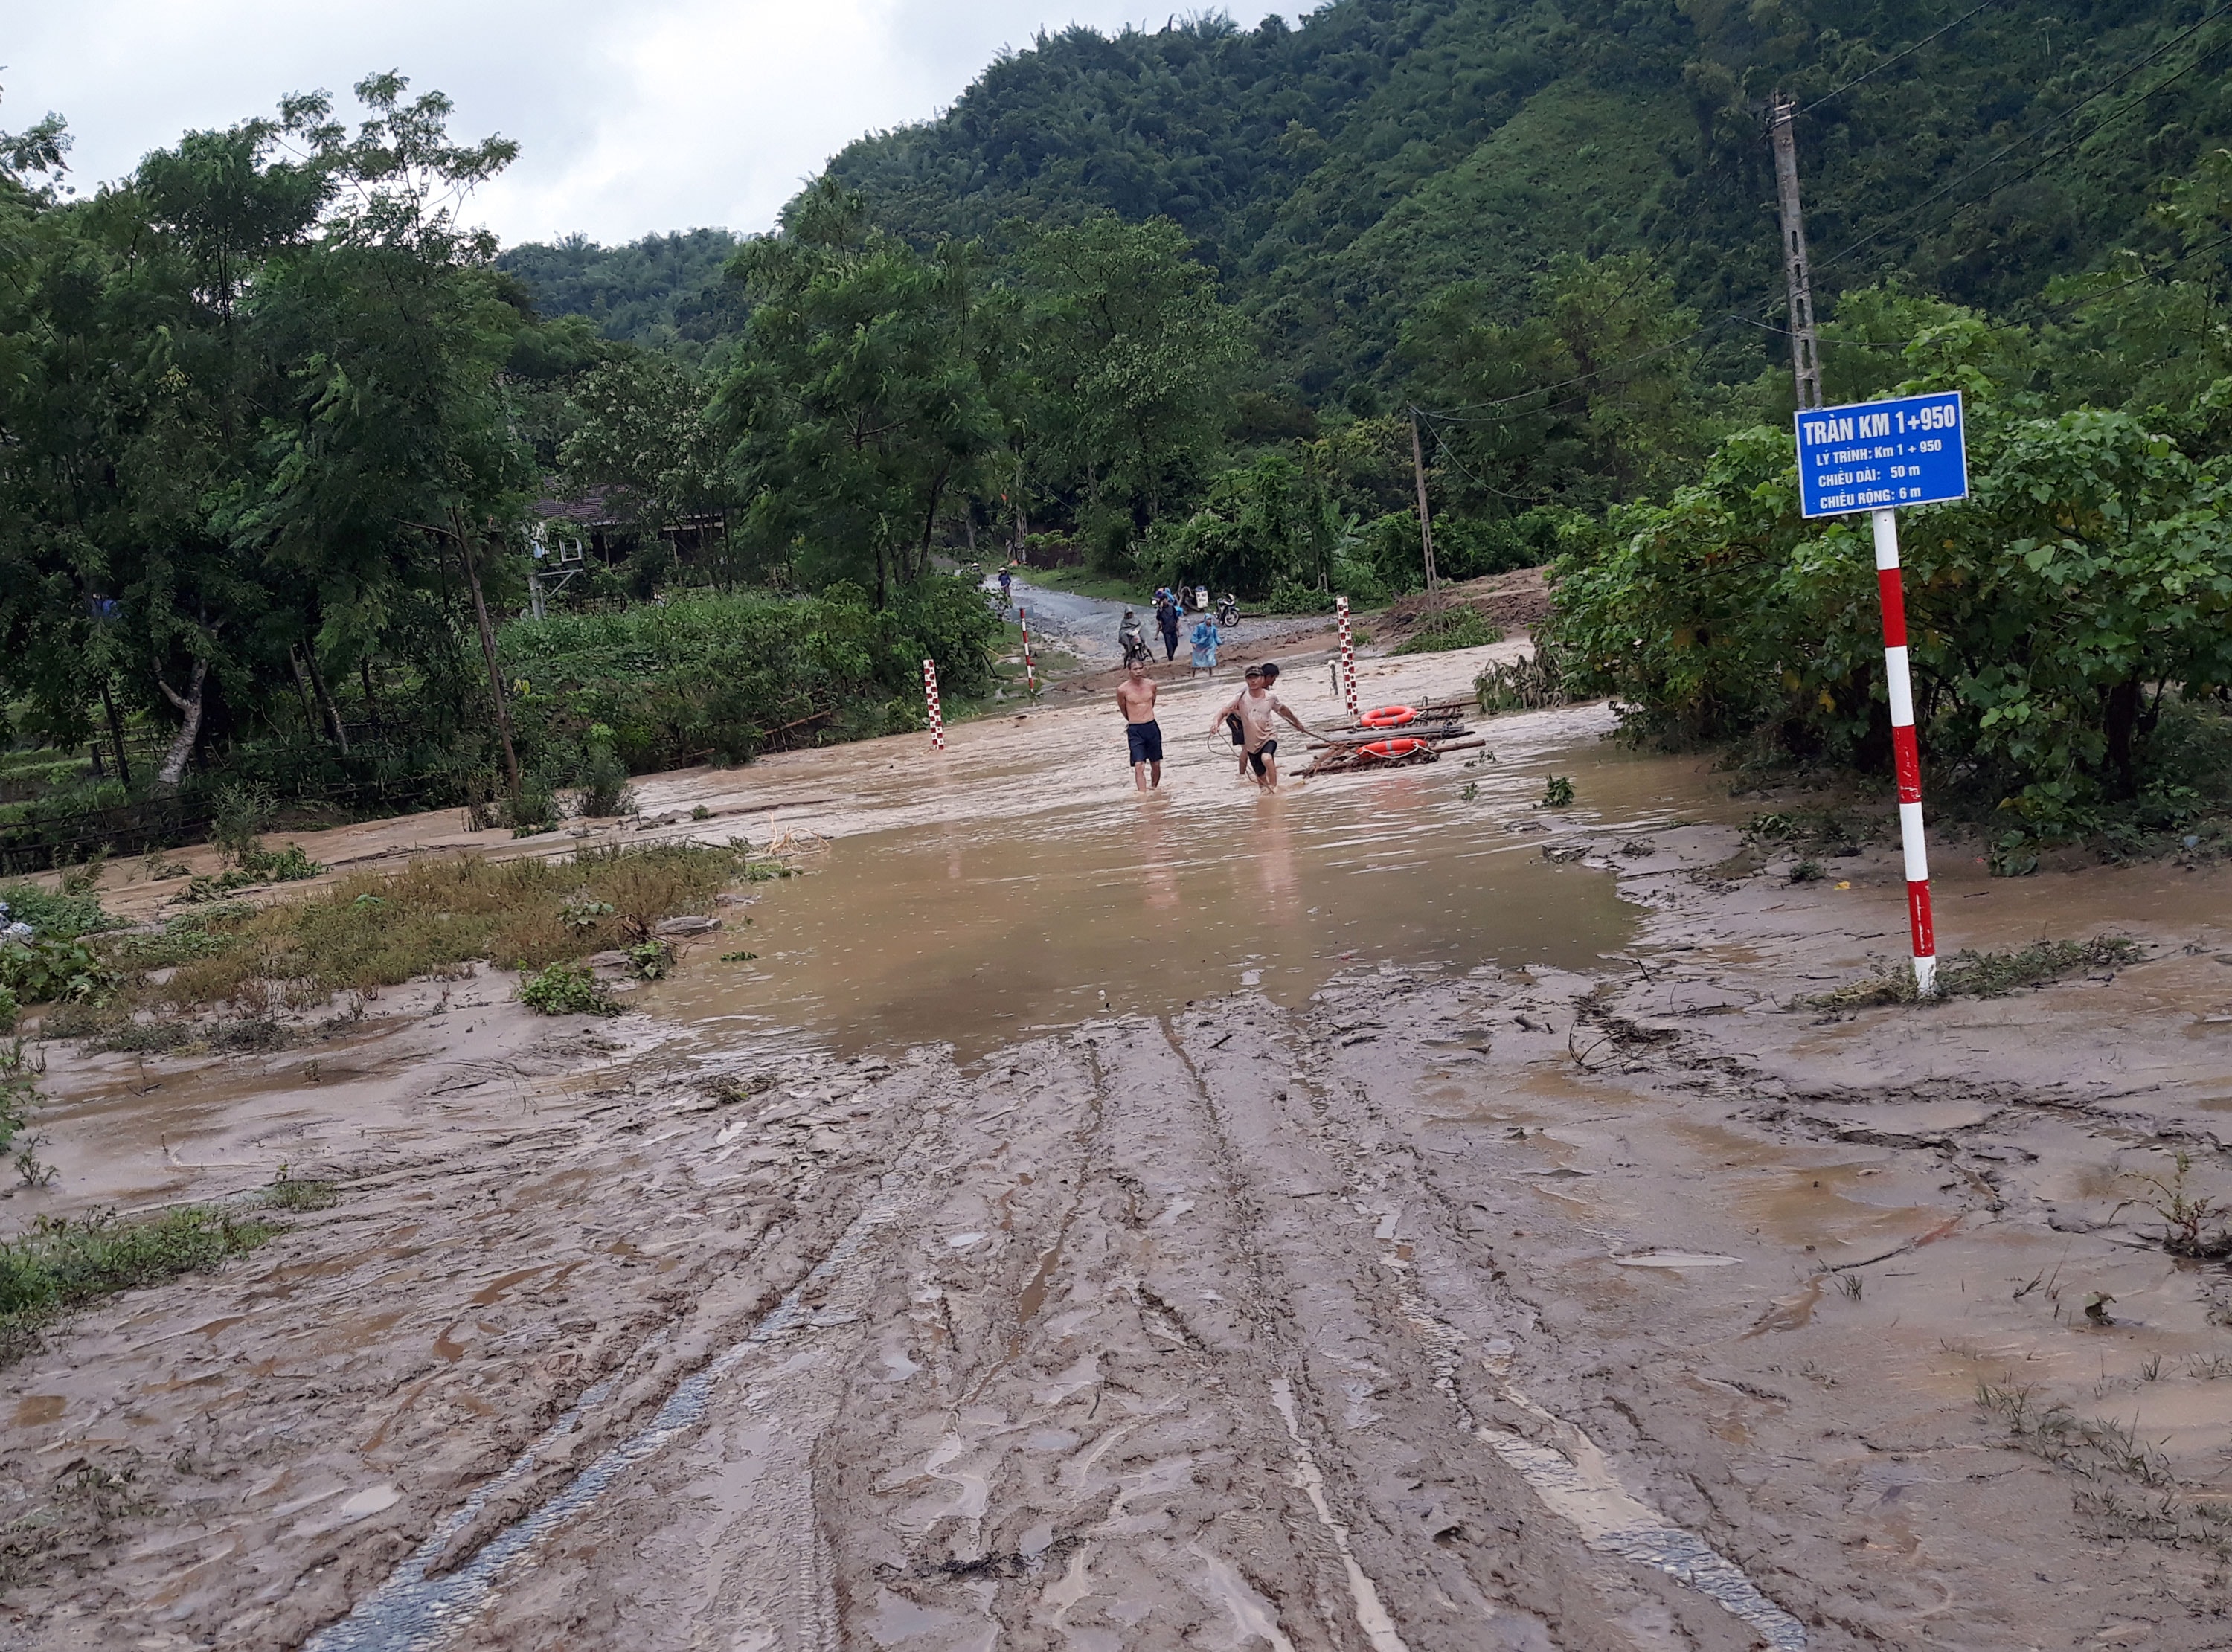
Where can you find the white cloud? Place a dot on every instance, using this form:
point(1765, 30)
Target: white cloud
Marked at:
point(659, 116)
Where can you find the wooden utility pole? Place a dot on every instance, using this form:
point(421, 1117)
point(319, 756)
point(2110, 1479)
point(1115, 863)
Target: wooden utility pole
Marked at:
point(1804, 349)
point(1425, 523)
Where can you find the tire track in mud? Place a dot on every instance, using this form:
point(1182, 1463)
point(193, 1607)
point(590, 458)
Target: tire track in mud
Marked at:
point(414, 1612)
point(1100, 1364)
point(1085, 1455)
point(425, 1605)
point(1373, 1168)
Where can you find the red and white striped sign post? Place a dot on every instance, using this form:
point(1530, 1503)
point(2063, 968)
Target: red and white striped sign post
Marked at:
point(1882, 457)
point(1030, 670)
point(1907, 755)
point(930, 693)
point(1347, 656)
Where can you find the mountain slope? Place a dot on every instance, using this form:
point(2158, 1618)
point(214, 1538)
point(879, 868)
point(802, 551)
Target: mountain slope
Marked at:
point(1337, 173)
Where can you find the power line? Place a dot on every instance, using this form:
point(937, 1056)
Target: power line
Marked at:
point(1456, 415)
point(1441, 447)
point(2067, 305)
point(2136, 101)
point(1888, 61)
point(2067, 115)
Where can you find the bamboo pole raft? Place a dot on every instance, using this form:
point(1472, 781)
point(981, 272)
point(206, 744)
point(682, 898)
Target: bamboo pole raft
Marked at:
point(1435, 727)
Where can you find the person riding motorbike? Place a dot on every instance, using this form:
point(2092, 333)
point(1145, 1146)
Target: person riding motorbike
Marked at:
point(1228, 611)
point(1130, 638)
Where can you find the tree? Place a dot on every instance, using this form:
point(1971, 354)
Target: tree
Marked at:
point(861, 406)
point(643, 436)
point(392, 454)
point(1588, 396)
point(1132, 357)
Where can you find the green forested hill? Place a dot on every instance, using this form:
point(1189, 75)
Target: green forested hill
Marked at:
point(1338, 172)
point(663, 290)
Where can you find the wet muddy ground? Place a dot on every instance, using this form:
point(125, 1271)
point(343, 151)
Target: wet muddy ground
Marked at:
point(1376, 1217)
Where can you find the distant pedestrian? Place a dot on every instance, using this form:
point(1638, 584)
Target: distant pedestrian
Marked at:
point(1166, 617)
point(1007, 594)
point(1204, 644)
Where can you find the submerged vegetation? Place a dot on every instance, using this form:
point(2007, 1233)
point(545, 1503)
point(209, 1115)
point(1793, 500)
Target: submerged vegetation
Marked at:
point(1990, 974)
point(238, 976)
point(63, 1263)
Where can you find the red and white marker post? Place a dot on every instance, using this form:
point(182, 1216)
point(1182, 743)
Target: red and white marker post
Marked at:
point(1347, 656)
point(1907, 755)
point(1030, 670)
point(930, 693)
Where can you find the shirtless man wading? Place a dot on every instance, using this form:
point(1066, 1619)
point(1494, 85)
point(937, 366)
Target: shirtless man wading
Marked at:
point(1249, 718)
point(1135, 698)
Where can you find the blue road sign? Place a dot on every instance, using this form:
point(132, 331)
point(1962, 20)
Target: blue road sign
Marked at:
point(1877, 455)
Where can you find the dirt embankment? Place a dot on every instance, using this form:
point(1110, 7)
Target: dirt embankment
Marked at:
point(1635, 1308)
point(1517, 601)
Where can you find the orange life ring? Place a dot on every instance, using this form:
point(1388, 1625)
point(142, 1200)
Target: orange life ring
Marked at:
point(1388, 717)
point(1389, 749)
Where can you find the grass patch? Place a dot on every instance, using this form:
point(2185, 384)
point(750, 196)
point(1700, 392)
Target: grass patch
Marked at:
point(1082, 581)
point(134, 1038)
point(438, 919)
point(297, 1195)
point(1990, 974)
point(62, 1263)
point(181, 940)
point(1437, 633)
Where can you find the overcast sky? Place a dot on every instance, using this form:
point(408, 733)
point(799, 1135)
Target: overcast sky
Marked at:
point(662, 114)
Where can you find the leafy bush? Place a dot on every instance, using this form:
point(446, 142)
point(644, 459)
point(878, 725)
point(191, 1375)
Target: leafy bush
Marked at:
point(562, 989)
point(605, 789)
point(11, 1009)
point(1527, 685)
point(1292, 597)
point(18, 1091)
point(651, 959)
point(727, 677)
point(2054, 619)
point(65, 916)
point(44, 970)
point(288, 866)
point(243, 810)
point(1247, 534)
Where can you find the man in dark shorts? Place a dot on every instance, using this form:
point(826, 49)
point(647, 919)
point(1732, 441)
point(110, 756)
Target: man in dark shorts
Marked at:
point(1250, 719)
point(1135, 698)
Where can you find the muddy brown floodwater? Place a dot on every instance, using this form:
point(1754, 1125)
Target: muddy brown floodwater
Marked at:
point(982, 930)
point(1390, 1216)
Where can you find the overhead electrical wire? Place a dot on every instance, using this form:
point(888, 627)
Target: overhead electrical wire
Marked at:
point(1943, 190)
point(1888, 61)
point(1492, 409)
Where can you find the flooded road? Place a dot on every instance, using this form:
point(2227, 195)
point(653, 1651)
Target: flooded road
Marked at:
point(982, 932)
point(1392, 1216)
